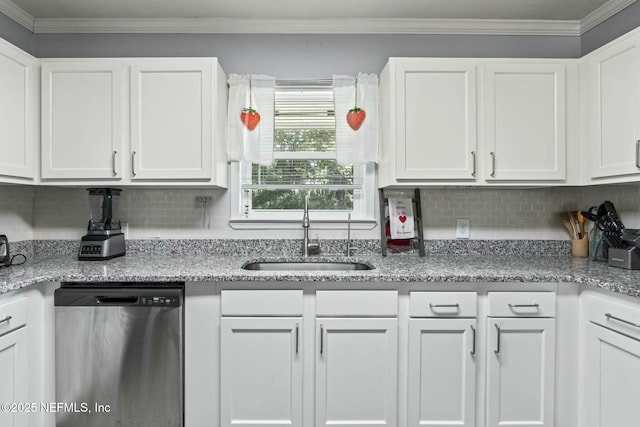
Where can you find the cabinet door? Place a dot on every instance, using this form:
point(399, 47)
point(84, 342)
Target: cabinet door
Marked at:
point(261, 372)
point(524, 116)
point(614, 108)
point(14, 373)
point(18, 87)
point(171, 108)
point(612, 379)
point(82, 119)
point(356, 372)
point(435, 120)
point(520, 378)
point(442, 372)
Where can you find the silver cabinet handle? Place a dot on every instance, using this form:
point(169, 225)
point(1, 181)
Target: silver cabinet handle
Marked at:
point(473, 154)
point(626, 322)
point(493, 164)
point(497, 350)
point(297, 334)
point(6, 319)
point(321, 340)
point(113, 163)
point(637, 153)
point(456, 305)
point(534, 305)
point(473, 343)
point(133, 163)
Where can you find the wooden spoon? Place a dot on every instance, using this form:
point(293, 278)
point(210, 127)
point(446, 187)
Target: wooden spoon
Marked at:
point(581, 222)
point(567, 223)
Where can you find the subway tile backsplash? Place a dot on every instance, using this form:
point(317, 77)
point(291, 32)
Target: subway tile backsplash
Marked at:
point(44, 213)
point(16, 212)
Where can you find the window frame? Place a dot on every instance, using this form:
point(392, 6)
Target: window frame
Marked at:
point(363, 215)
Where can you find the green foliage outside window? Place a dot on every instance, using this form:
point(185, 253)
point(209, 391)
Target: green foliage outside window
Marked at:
point(285, 183)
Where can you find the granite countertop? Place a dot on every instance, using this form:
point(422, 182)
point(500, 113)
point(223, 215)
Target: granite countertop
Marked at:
point(395, 268)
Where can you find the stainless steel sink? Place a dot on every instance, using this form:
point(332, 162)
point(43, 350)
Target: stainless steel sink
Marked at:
point(306, 266)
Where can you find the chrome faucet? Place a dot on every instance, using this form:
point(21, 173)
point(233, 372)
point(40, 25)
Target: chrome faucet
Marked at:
point(349, 234)
point(308, 248)
point(305, 228)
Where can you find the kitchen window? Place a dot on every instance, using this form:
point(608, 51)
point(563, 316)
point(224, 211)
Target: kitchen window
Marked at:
point(304, 163)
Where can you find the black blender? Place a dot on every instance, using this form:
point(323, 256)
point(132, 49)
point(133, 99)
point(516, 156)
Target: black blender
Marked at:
point(104, 238)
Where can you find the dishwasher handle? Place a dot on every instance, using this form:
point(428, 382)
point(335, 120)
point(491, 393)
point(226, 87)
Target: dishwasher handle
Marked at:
point(117, 300)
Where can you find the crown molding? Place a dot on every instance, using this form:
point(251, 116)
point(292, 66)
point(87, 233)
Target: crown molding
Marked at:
point(310, 26)
point(603, 13)
point(314, 26)
point(18, 14)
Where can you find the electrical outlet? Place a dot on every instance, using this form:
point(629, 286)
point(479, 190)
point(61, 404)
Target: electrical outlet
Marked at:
point(462, 228)
point(202, 201)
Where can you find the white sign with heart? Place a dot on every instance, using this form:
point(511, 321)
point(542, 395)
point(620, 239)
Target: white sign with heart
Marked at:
point(401, 220)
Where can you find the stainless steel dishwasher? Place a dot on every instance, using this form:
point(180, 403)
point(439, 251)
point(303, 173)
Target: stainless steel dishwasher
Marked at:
point(119, 354)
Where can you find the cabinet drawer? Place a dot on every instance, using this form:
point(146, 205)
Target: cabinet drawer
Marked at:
point(13, 315)
point(442, 304)
point(357, 303)
point(618, 316)
point(522, 304)
point(261, 303)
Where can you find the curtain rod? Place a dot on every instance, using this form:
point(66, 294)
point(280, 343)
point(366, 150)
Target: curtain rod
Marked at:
point(303, 82)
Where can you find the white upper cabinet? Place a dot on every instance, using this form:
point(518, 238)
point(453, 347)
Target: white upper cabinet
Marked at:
point(134, 121)
point(613, 96)
point(171, 119)
point(429, 109)
point(18, 111)
point(82, 119)
point(428, 120)
point(523, 110)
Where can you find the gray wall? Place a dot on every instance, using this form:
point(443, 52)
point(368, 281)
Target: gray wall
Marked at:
point(16, 34)
point(302, 56)
point(318, 56)
point(617, 25)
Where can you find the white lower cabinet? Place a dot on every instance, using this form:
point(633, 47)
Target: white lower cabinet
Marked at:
point(261, 376)
point(611, 369)
point(356, 372)
point(14, 363)
point(14, 371)
point(442, 359)
point(442, 372)
point(261, 358)
point(521, 359)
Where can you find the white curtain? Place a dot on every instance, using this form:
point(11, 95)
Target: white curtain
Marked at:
point(258, 93)
point(356, 146)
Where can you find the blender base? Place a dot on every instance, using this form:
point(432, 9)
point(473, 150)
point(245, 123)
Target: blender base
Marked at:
point(95, 247)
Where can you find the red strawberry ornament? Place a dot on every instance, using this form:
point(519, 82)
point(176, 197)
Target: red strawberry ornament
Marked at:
point(355, 117)
point(250, 118)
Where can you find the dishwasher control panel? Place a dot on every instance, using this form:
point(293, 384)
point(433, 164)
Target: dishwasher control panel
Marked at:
point(166, 301)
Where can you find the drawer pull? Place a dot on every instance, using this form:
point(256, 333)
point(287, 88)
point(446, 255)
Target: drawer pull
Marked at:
point(297, 334)
point(444, 305)
point(6, 319)
point(321, 339)
point(610, 316)
point(473, 343)
point(534, 305)
point(497, 350)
